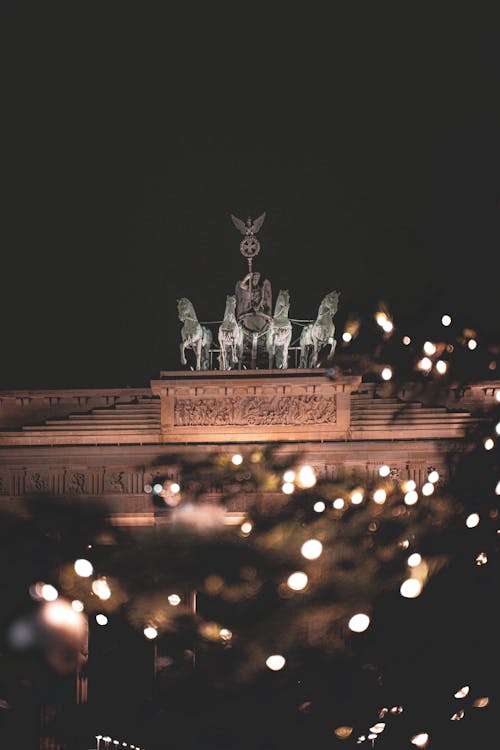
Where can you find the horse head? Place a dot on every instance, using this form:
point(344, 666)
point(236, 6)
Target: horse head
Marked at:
point(185, 309)
point(282, 303)
point(330, 303)
point(230, 304)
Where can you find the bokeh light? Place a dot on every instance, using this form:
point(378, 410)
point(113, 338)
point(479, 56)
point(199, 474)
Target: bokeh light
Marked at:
point(359, 622)
point(275, 662)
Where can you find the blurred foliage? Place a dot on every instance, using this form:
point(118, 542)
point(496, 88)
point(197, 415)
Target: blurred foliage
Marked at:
point(212, 684)
point(228, 541)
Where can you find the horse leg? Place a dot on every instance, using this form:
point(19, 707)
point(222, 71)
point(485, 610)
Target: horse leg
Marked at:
point(222, 353)
point(271, 351)
point(285, 357)
point(198, 355)
point(239, 353)
point(183, 354)
point(279, 357)
point(304, 355)
point(314, 356)
point(234, 356)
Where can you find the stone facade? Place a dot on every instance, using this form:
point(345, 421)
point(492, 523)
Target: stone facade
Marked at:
point(107, 444)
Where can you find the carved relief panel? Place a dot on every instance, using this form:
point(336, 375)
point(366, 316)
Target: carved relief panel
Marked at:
point(238, 406)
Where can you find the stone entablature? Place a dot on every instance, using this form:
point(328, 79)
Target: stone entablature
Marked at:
point(238, 405)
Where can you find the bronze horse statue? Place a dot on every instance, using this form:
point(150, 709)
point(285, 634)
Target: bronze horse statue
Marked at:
point(315, 336)
point(279, 333)
point(230, 337)
point(194, 335)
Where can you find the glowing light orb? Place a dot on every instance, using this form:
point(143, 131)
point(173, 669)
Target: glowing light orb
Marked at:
point(307, 477)
point(381, 318)
point(489, 443)
point(311, 549)
point(481, 702)
point(411, 588)
point(246, 527)
point(497, 428)
point(319, 506)
point(157, 488)
point(420, 740)
point(356, 497)
point(424, 364)
point(297, 581)
point(175, 488)
point(409, 485)
point(384, 470)
point(237, 459)
point(275, 662)
point(497, 395)
point(346, 336)
point(386, 373)
point(427, 489)
point(497, 489)
point(343, 732)
point(482, 558)
point(414, 560)
point(379, 496)
point(35, 591)
point(378, 727)
point(225, 634)
point(387, 326)
point(441, 366)
point(463, 692)
point(289, 476)
point(101, 589)
point(287, 488)
point(77, 605)
point(339, 502)
point(359, 622)
point(49, 592)
point(472, 520)
point(411, 497)
point(150, 632)
point(446, 320)
point(174, 599)
point(101, 619)
point(433, 476)
point(406, 340)
point(83, 568)
point(61, 613)
point(472, 344)
point(429, 348)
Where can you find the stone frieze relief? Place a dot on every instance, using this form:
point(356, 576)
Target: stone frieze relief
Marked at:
point(254, 410)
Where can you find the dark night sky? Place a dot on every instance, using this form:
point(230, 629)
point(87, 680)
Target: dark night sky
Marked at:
point(129, 134)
